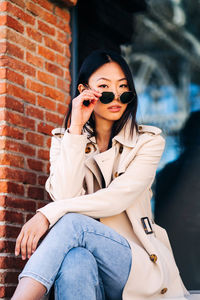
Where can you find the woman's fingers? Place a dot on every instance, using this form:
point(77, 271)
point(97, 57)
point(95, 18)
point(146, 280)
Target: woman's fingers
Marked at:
point(34, 243)
point(30, 245)
point(24, 245)
point(18, 243)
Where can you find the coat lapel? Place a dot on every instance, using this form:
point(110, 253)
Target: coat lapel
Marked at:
point(105, 161)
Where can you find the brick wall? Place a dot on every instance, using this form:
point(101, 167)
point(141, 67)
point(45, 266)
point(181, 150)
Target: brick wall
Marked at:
point(34, 93)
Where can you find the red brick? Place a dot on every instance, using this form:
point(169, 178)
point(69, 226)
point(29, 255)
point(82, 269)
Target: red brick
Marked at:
point(17, 175)
point(2, 73)
point(35, 138)
point(4, 60)
point(11, 160)
point(3, 19)
point(3, 32)
point(51, 68)
point(67, 52)
point(34, 60)
point(14, 24)
point(42, 180)
point(48, 168)
point(47, 103)
point(36, 193)
point(63, 85)
point(11, 262)
point(63, 13)
point(21, 93)
point(8, 102)
point(11, 216)
point(39, 11)
point(52, 44)
point(70, 2)
point(48, 142)
point(61, 37)
point(46, 28)
point(15, 77)
point(53, 118)
point(62, 61)
point(7, 246)
point(19, 2)
point(17, 147)
point(43, 154)
point(9, 231)
point(63, 25)
point(19, 13)
point(20, 66)
point(20, 40)
point(36, 165)
point(45, 128)
point(41, 204)
point(28, 217)
point(9, 277)
point(48, 17)
point(62, 109)
point(46, 4)
point(34, 34)
point(13, 132)
point(45, 52)
point(7, 291)
point(15, 50)
point(19, 120)
point(2, 87)
point(35, 112)
point(54, 94)
point(46, 78)
point(3, 47)
point(19, 203)
point(34, 86)
point(3, 6)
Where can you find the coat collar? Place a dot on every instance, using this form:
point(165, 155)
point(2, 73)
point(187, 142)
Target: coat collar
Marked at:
point(123, 137)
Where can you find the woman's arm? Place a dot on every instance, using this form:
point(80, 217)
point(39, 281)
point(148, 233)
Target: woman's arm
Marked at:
point(120, 194)
point(67, 156)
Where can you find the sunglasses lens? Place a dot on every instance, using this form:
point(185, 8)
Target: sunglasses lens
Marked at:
point(107, 97)
point(127, 97)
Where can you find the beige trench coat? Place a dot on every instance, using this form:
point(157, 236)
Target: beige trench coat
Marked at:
point(128, 168)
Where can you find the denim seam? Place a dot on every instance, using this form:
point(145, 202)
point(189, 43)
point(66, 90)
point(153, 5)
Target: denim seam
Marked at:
point(86, 231)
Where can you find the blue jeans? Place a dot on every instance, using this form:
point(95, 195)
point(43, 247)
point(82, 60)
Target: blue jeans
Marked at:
point(83, 258)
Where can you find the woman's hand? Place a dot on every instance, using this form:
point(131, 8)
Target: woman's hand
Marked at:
point(81, 113)
point(30, 234)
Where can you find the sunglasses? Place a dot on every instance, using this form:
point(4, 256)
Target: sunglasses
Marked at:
point(108, 97)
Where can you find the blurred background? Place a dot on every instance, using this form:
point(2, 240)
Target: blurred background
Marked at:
point(160, 40)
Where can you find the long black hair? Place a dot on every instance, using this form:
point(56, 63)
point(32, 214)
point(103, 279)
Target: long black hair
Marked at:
point(91, 63)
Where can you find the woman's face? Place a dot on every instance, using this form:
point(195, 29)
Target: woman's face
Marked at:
point(109, 78)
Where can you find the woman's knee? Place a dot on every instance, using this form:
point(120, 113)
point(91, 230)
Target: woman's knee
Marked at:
point(78, 264)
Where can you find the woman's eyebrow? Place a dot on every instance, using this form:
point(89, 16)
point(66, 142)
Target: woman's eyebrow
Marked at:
point(110, 80)
point(103, 79)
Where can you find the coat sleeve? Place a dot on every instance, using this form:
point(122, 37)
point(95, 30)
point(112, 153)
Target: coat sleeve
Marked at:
point(67, 155)
point(122, 192)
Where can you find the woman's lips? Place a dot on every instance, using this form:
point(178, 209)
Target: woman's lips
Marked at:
point(114, 108)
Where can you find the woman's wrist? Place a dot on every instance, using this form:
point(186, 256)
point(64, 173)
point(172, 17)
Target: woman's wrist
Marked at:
point(75, 129)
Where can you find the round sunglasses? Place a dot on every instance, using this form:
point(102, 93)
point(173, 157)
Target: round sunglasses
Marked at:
point(108, 97)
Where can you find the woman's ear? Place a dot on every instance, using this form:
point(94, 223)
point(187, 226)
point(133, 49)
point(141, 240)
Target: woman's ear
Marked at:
point(81, 87)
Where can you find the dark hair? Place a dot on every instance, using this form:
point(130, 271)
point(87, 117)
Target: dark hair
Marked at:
point(91, 63)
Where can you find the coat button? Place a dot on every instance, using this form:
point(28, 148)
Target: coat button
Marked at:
point(163, 291)
point(120, 149)
point(87, 149)
point(116, 174)
point(153, 257)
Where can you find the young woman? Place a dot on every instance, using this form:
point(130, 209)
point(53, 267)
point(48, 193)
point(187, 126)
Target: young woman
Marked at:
point(102, 242)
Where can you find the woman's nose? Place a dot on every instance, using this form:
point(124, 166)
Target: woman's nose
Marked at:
point(117, 95)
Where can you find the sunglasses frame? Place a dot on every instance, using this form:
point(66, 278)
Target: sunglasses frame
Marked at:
point(104, 101)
